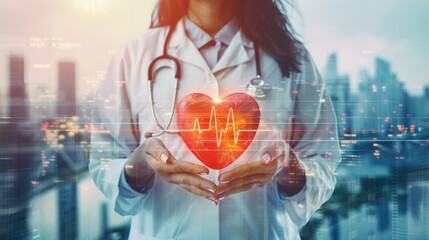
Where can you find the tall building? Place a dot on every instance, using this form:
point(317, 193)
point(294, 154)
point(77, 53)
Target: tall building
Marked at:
point(67, 158)
point(66, 89)
point(383, 102)
point(382, 71)
point(420, 110)
point(339, 90)
point(18, 103)
point(18, 152)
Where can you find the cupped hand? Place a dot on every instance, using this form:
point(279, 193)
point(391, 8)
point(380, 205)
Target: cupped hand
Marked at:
point(247, 176)
point(185, 174)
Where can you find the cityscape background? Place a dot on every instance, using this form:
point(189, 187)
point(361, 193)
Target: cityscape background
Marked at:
point(54, 54)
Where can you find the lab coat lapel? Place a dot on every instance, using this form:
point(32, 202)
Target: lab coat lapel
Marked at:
point(182, 48)
point(235, 54)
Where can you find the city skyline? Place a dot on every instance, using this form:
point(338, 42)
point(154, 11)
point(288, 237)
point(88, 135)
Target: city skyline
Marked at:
point(48, 96)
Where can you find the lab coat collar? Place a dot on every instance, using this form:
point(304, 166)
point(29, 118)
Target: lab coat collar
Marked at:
point(184, 49)
point(234, 55)
point(200, 38)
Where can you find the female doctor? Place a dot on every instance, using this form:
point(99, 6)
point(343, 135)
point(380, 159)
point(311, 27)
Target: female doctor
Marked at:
point(220, 47)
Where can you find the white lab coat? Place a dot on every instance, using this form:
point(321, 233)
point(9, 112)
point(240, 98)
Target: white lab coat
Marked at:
point(123, 114)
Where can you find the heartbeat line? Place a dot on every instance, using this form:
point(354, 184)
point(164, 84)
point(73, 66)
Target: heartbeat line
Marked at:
point(230, 120)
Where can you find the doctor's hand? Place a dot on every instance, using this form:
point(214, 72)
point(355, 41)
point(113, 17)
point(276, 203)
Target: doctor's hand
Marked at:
point(153, 156)
point(249, 175)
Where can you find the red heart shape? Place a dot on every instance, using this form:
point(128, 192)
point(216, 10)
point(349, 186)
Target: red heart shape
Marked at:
point(218, 132)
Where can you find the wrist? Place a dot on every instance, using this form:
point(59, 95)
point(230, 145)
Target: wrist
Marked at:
point(292, 179)
point(138, 175)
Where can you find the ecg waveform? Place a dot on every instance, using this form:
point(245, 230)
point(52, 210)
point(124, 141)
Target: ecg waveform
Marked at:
point(230, 120)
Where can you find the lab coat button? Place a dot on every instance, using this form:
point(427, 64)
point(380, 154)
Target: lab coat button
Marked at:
point(210, 78)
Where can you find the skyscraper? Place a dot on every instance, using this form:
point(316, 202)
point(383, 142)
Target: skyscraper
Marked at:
point(66, 89)
point(419, 109)
point(382, 70)
point(18, 104)
point(339, 90)
point(382, 101)
point(17, 156)
point(66, 108)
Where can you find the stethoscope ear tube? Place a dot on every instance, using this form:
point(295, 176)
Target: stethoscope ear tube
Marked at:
point(173, 105)
point(258, 61)
point(165, 56)
point(178, 71)
point(150, 77)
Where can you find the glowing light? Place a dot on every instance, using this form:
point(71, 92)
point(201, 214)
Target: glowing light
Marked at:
point(92, 6)
point(230, 120)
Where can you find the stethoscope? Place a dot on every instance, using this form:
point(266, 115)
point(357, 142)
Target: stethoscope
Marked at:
point(257, 87)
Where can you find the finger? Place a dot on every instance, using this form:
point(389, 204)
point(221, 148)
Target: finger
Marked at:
point(159, 166)
point(269, 153)
point(156, 150)
point(273, 163)
point(162, 160)
point(181, 167)
point(254, 178)
point(243, 188)
point(200, 192)
point(187, 167)
point(193, 180)
point(245, 170)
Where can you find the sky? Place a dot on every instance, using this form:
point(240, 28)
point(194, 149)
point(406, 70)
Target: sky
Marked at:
point(88, 32)
point(361, 30)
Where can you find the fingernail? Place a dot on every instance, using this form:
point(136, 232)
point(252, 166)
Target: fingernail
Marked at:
point(203, 174)
point(218, 193)
point(266, 157)
point(222, 198)
point(164, 157)
point(211, 198)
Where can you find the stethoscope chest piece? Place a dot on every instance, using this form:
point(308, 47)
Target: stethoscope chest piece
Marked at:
point(258, 88)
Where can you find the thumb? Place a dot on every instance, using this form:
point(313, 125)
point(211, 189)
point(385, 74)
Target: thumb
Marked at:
point(165, 157)
point(158, 151)
point(269, 153)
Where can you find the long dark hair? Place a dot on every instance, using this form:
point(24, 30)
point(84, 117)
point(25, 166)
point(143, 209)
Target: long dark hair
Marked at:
point(263, 21)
